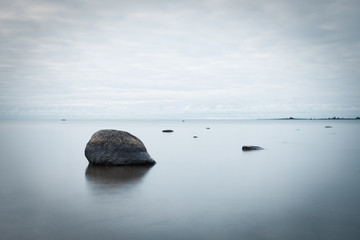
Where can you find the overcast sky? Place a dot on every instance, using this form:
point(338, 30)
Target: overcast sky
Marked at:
point(179, 59)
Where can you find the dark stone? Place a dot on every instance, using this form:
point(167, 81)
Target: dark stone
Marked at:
point(113, 147)
point(168, 131)
point(251, 148)
point(328, 126)
point(195, 136)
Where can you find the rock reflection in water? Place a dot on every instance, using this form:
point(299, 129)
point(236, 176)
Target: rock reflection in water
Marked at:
point(105, 177)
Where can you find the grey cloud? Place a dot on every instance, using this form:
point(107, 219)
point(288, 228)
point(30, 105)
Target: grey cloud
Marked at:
point(247, 55)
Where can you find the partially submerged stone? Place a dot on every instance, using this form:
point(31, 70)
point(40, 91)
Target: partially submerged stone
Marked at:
point(167, 131)
point(114, 147)
point(251, 148)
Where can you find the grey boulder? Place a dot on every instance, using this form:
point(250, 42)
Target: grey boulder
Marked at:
point(114, 147)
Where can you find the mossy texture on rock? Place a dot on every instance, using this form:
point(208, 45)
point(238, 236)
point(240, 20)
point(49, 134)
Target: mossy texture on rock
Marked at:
point(114, 147)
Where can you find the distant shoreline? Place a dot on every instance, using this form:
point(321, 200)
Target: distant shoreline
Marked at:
point(333, 118)
point(173, 119)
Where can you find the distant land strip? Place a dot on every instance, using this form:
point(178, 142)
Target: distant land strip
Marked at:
point(333, 118)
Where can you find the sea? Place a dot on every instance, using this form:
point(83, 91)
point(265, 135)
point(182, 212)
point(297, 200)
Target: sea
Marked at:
point(304, 184)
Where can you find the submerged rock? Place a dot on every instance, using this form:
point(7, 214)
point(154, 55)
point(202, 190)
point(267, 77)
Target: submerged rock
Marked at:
point(251, 148)
point(167, 131)
point(114, 147)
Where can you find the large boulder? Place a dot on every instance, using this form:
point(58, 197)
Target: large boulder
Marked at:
point(113, 147)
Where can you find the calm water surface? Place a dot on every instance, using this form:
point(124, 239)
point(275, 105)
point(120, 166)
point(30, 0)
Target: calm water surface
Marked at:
point(304, 185)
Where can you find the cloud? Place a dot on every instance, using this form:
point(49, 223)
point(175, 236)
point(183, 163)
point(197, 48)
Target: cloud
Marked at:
point(185, 58)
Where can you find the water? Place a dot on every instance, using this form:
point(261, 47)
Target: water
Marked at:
point(304, 185)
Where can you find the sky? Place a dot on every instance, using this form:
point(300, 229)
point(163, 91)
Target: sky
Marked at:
point(113, 59)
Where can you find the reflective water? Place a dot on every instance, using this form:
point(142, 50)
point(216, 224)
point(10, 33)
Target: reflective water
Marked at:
point(304, 185)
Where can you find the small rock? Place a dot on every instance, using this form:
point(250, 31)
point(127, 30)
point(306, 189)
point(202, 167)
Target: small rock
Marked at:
point(328, 126)
point(113, 147)
point(167, 131)
point(251, 148)
point(195, 136)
